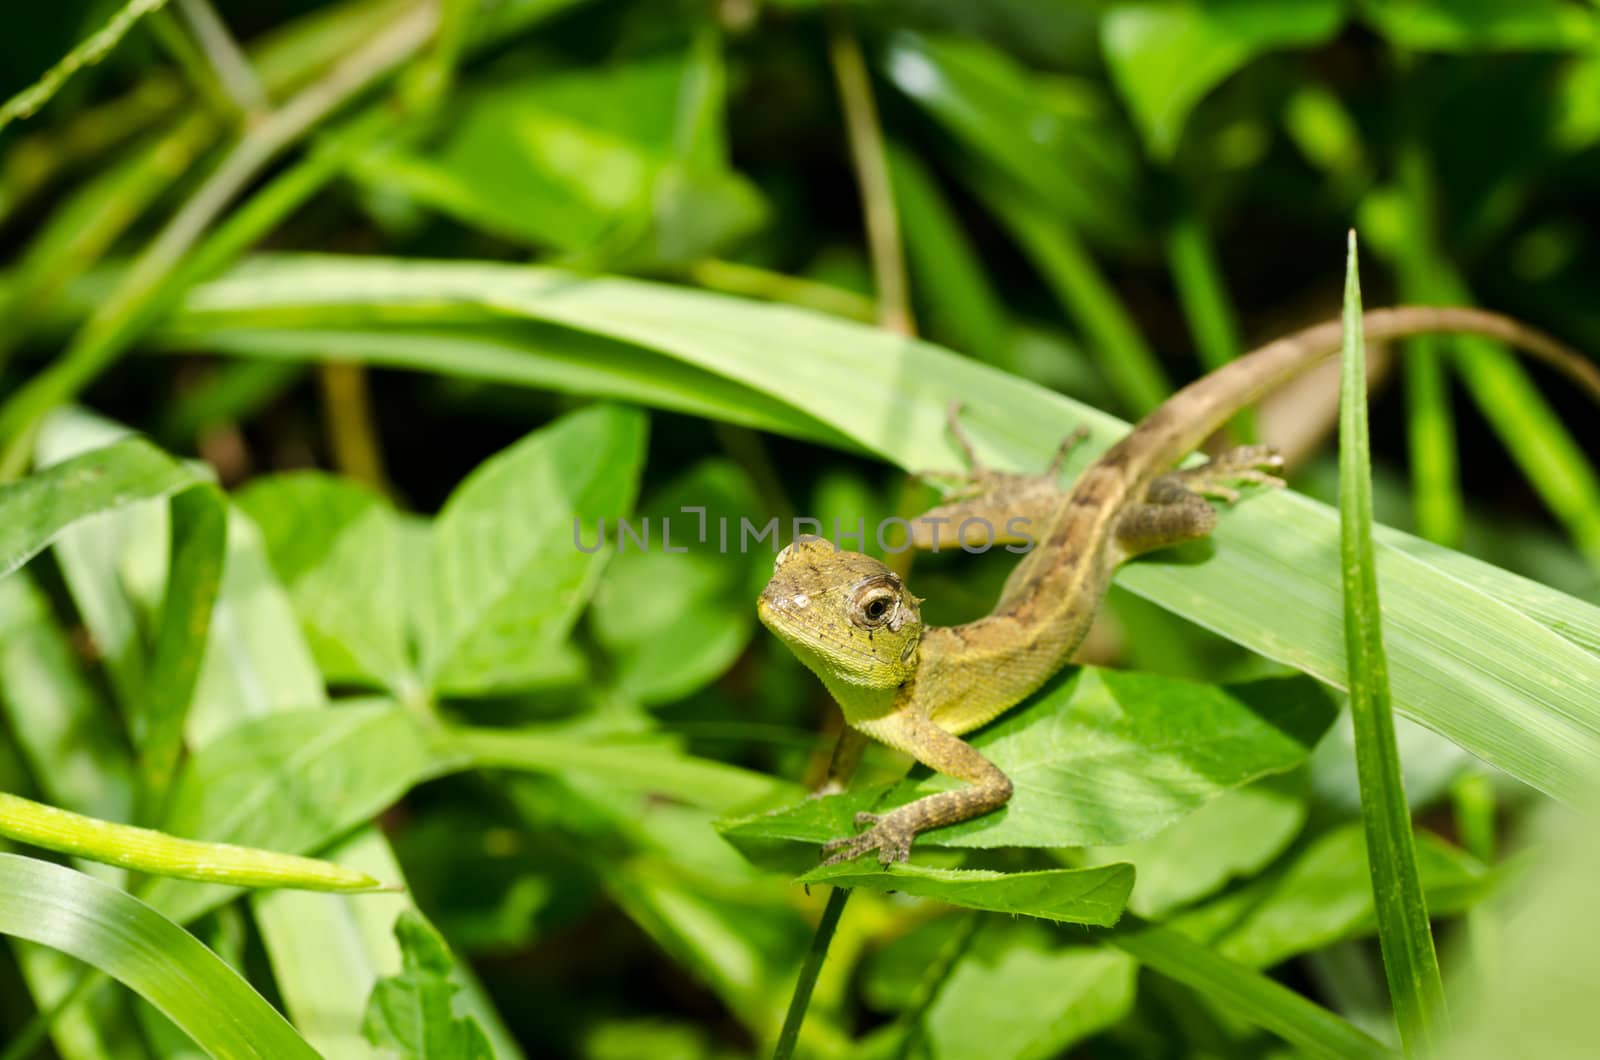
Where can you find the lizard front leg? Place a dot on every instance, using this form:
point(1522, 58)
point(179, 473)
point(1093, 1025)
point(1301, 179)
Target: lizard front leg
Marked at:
point(890, 834)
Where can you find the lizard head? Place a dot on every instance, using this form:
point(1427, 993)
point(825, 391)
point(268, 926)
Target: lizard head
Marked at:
point(848, 617)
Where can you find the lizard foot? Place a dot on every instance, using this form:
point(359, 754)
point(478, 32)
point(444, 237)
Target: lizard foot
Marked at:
point(891, 840)
point(1246, 463)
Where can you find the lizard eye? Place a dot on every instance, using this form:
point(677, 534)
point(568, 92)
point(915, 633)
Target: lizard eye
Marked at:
point(873, 607)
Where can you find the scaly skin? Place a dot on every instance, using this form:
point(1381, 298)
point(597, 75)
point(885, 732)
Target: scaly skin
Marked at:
point(916, 688)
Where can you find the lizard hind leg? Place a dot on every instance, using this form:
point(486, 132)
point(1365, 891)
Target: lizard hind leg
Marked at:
point(1258, 464)
point(1176, 509)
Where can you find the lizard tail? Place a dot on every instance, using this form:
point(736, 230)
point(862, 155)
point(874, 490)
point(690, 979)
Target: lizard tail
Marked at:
point(1402, 321)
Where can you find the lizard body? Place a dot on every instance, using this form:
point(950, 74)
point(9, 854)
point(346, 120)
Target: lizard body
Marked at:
point(853, 623)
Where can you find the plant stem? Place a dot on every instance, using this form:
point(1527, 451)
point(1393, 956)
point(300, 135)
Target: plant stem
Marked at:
point(347, 411)
point(227, 60)
point(809, 969)
point(872, 176)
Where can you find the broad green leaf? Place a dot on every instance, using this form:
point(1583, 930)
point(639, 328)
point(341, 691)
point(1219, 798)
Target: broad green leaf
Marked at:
point(1022, 991)
point(292, 781)
point(1067, 896)
point(1484, 670)
point(1481, 25)
point(1245, 993)
point(337, 547)
point(1236, 834)
point(413, 1013)
point(508, 572)
point(154, 957)
point(1320, 894)
point(1098, 757)
point(675, 612)
point(35, 510)
point(1165, 55)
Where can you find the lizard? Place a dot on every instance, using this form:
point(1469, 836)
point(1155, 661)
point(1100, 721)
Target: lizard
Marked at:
point(919, 688)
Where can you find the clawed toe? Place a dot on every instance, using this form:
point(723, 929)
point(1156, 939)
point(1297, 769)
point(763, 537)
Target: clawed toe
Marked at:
point(1255, 464)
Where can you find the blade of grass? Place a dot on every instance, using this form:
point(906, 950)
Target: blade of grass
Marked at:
point(199, 528)
point(90, 51)
point(1415, 987)
point(872, 174)
point(1247, 994)
point(122, 936)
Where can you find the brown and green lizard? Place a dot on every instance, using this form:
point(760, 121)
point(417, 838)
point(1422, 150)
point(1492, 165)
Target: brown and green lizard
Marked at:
point(918, 688)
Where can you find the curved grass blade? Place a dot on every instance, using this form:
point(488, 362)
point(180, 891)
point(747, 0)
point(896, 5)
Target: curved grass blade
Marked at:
point(35, 510)
point(1248, 994)
point(166, 855)
point(1403, 931)
point(152, 956)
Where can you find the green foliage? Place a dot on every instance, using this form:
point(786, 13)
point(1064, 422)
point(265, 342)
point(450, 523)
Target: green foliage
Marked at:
point(412, 1013)
point(414, 298)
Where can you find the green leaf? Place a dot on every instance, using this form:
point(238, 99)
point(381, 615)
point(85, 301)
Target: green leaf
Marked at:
point(1098, 757)
point(1023, 992)
point(1415, 986)
point(1321, 894)
point(676, 613)
point(1165, 55)
point(508, 574)
point(526, 355)
point(337, 547)
point(1236, 834)
point(1481, 25)
point(413, 1012)
point(292, 781)
point(37, 509)
point(256, 662)
point(1067, 896)
point(151, 955)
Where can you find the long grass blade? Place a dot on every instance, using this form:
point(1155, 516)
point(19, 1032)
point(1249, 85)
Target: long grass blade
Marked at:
point(1415, 987)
